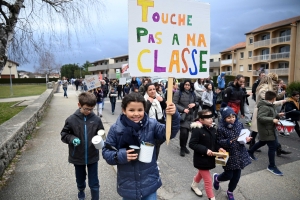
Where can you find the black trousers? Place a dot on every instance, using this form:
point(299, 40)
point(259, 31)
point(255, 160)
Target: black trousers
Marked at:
point(233, 176)
point(183, 137)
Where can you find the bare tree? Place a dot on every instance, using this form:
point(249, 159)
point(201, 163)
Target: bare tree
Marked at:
point(47, 64)
point(28, 27)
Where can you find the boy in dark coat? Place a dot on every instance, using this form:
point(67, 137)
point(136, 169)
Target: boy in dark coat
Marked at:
point(266, 120)
point(293, 108)
point(78, 131)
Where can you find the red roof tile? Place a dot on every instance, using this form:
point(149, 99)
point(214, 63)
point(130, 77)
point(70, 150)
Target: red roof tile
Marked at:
point(275, 24)
point(235, 47)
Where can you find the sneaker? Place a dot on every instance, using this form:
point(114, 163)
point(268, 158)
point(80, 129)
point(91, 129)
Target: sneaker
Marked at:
point(81, 195)
point(113, 113)
point(100, 115)
point(283, 134)
point(215, 182)
point(251, 155)
point(275, 171)
point(248, 123)
point(230, 195)
point(186, 150)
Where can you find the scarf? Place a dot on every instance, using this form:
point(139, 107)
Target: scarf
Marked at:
point(155, 108)
point(295, 102)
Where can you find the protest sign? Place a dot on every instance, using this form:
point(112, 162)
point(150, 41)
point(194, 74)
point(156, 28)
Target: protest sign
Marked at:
point(92, 82)
point(169, 38)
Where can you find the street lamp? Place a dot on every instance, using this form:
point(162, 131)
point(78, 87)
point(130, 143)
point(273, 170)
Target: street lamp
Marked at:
point(11, 89)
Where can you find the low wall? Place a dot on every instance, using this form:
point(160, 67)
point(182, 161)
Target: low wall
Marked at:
point(13, 132)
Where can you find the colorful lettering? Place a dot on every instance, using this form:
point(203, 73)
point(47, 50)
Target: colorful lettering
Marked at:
point(185, 69)
point(194, 61)
point(145, 5)
point(172, 16)
point(156, 17)
point(181, 20)
point(202, 61)
point(139, 64)
point(158, 38)
point(201, 39)
point(151, 39)
point(190, 39)
point(163, 19)
point(156, 67)
point(174, 61)
point(175, 38)
point(141, 32)
point(189, 17)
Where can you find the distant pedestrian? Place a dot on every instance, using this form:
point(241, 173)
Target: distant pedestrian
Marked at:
point(105, 90)
point(113, 99)
point(119, 89)
point(78, 131)
point(221, 81)
point(208, 98)
point(204, 142)
point(256, 83)
point(77, 83)
point(126, 89)
point(65, 86)
point(228, 131)
point(246, 106)
point(99, 96)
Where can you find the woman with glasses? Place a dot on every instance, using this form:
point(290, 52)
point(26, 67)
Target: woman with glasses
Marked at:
point(186, 102)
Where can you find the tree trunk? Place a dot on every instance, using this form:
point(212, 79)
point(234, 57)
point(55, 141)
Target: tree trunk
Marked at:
point(7, 30)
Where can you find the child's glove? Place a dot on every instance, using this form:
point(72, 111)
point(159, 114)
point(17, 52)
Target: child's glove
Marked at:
point(76, 142)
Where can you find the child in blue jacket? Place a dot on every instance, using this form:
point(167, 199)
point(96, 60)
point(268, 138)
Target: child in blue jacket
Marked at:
point(135, 179)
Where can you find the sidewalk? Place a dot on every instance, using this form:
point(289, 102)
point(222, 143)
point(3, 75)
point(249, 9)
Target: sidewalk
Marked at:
point(43, 171)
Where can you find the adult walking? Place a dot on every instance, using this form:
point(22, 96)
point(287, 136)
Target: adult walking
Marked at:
point(155, 107)
point(65, 86)
point(256, 83)
point(293, 108)
point(199, 89)
point(221, 81)
point(267, 83)
point(186, 103)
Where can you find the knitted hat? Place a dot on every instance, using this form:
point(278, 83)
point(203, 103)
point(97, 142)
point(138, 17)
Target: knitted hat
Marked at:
point(226, 112)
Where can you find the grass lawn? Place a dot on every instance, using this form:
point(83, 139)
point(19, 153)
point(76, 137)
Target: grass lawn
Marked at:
point(6, 112)
point(21, 90)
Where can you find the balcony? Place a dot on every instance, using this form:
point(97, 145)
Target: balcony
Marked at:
point(262, 43)
point(279, 72)
point(265, 57)
point(229, 72)
point(228, 62)
point(277, 56)
point(286, 38)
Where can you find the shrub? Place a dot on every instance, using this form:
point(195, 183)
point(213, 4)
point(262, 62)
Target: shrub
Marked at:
point(294, 86)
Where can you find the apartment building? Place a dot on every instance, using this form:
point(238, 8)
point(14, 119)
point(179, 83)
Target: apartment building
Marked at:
point(214, 65)
point(108, 67)
point(272, 47)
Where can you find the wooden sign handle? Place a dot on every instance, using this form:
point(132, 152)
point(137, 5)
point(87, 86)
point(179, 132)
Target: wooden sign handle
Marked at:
point(169, 117)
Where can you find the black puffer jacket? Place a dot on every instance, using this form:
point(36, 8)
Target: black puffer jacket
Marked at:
point(84, 128)
point(201, 140)
point(233, 95)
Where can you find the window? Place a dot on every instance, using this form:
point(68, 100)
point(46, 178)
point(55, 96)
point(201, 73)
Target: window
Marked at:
point(250, 40)
point(285, 32)
point(249, 67)
point(228, 69)
point(241, 68)
point(283, 65)
point(105, 63)
point(121, 60)
point(242, 55)
point(211, 60)
point(265, 37)
point(250, 54)
point(284, 49)
point(228, 56)
point(116, 61)
point(211, 70)
point(219, 59)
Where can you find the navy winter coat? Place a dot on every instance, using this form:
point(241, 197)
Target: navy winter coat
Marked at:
point(238, 155)
point(136, 179)
point(85, 128)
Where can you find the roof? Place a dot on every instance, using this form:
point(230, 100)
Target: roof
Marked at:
point(235, 47)
point(122, 56)
point(104, 59)
point(275, 24)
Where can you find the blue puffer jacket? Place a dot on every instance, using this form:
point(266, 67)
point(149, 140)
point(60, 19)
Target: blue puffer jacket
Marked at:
point(221, 81)
point(136, 179)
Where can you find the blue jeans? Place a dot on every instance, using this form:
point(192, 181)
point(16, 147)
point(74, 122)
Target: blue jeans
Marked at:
point(233, 176)
point(80, 173)
point(103, 103)
point(152, 196)
point(65, 91)
point(271, 151)
point(113, 106)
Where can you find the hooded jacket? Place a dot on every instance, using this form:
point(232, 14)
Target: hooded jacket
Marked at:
point(136, 179)
point(234, 95)
point(85, 128)
point(221, 80)
point(266, 114)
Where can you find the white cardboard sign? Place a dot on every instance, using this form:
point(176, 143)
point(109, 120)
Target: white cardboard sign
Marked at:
point(92, 82)
point(169, 38)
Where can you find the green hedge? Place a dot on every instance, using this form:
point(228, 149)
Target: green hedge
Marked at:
point(25, 80)
point(294, 86)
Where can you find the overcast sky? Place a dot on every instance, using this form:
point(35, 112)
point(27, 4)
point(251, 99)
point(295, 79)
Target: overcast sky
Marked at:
point(230, 20)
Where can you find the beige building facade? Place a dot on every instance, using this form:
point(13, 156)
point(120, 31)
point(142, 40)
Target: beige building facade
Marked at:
point(272, 47)
point(10, 68)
